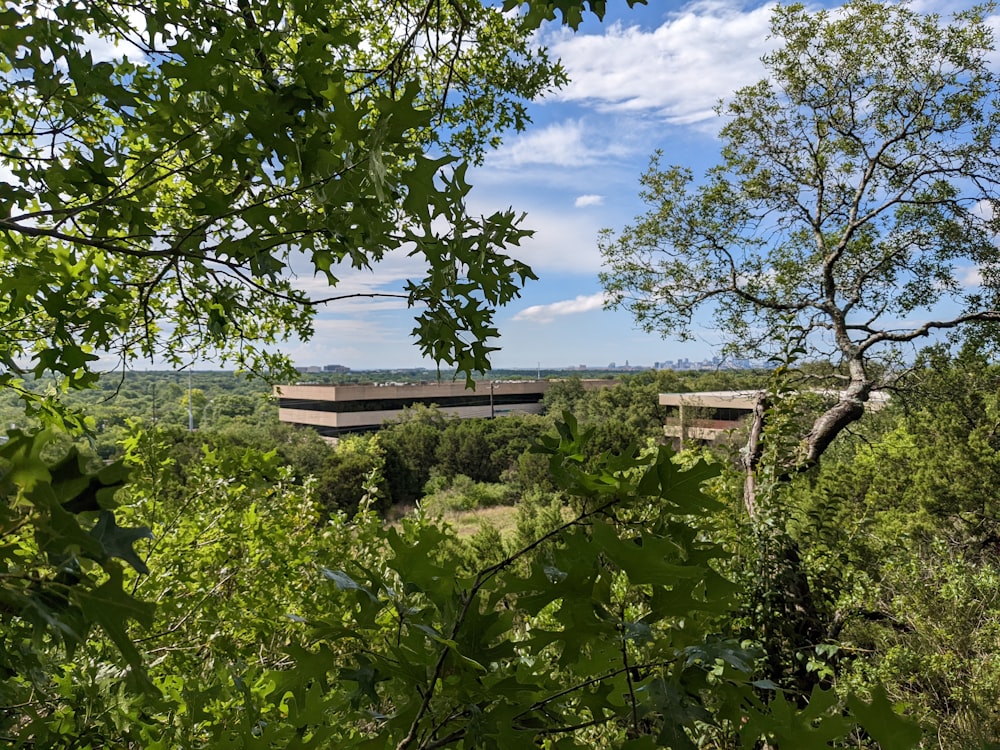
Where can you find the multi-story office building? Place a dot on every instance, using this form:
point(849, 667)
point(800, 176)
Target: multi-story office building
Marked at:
point(708, 415)
point(712, 416)
point(338, 409)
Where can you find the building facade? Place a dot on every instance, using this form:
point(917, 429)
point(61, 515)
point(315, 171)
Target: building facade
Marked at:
point(708, 416)
point(339, 409)
point(713, 416)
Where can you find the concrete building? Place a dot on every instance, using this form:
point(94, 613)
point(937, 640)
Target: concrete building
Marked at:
point(707, 415)
point(338, 409)
point(711, 416)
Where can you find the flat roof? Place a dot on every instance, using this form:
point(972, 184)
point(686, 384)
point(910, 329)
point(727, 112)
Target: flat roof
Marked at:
point(374, 392)
point(748, 399)
point(712, 399)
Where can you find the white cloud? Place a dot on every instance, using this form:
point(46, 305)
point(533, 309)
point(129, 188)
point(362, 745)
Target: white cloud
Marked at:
point(548, 313)
point(356, 290)
point(7, 175)
point(970, 277)
point(560, 144)
point(588, 200)
point(107, 49)
point(984, 210)
point(560, 244)
point(679, 70)
point(580, 142)
point(353, 331)
point(389, 276)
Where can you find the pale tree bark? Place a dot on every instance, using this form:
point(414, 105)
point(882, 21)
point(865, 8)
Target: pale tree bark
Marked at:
point(789, 617)
point(752, 454)
point(848, 409)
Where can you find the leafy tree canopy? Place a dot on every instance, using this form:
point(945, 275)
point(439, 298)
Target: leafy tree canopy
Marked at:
point(166, 169)
point(854, 199)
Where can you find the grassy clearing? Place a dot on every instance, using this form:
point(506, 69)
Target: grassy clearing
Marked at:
point(466, 505)
point(467, 522)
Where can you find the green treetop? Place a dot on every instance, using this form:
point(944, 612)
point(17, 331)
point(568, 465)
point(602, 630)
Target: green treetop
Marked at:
point(853, 202)
point(167, 166)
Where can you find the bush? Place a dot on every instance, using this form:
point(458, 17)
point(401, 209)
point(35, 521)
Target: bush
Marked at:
point(410, 444)
point(462, 493)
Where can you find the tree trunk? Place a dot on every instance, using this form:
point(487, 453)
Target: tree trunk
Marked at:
point(849, 408)
point(752, 454)
point(789, 619)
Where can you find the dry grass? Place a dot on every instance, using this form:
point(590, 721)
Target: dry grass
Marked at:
point(467, 522)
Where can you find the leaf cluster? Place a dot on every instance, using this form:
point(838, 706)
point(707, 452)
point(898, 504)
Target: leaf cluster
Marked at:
point(855, 183)
point(173, 167)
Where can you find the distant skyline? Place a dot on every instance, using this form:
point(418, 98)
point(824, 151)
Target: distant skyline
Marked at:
point(680, 364)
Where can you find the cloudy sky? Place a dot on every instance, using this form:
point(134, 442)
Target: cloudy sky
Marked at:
point(645, 79)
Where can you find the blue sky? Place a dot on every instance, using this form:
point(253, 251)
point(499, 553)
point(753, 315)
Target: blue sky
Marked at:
point(645, 79)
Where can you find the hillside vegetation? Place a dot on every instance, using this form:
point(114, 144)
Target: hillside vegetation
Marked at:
point(246, 573)
point(178, 570)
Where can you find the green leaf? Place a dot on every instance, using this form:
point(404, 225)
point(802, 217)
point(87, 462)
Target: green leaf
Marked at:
point(23, 452)
point(117, 541)
point(345, 583)
point(880, 720)
point(367, 678)
point(112, 609)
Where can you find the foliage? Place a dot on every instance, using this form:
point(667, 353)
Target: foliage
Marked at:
point(571, 12)
point(168, 165)
point(897, 536)
point(464, 448)
point(486, 547)
point(423, 443)
point(410, 443)
point(605, 636)
point(484, 449)
point(303, 451)
point(854, 196)
point(564, 395)
point(855, 189)
point(352, 473)
point(628, 410)
point(932, 643)
point(625, 414)
point(606, 629)
point(538, 514)
point(231, 555)
point(232, 562)
point(61, 574)
point(462, 493)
